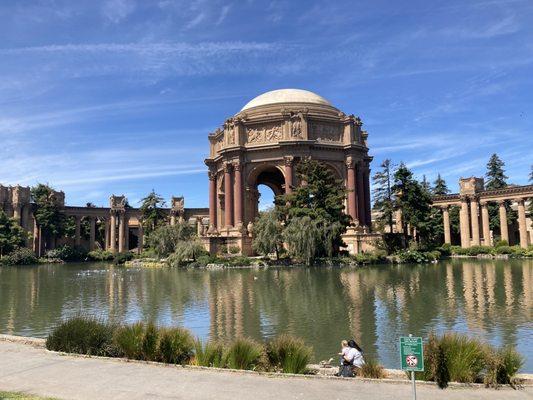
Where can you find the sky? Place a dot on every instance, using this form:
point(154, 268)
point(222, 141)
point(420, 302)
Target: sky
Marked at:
point(101, 97)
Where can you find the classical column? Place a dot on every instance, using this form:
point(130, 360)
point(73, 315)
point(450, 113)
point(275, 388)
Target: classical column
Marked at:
point(504, 229)
point(474, 217)
point(107, 233)
point(212, 202)
point(77, 234)
point(36, 238)
point(360, 195)
point(446, 222)
point(464, 223)
point(368, 207)
point(113, 232)
point(126, 232)
point(398, 221)
point(172, 217)
point(140, 239)
point(352, 188)
point(199, 226)
point(485, 221)
point(289, 165)
point(522, 222)
point(17, 208)
point(123, 225)
point(228, 197)
point(237, 194)
point(92, 232)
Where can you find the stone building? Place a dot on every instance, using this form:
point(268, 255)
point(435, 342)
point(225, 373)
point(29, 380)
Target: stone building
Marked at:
point(262, 144)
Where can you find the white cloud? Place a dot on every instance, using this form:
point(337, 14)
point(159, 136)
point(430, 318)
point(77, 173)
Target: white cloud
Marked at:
point(117, 10)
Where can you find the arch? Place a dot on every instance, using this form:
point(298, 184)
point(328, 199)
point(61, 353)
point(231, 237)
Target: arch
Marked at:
point(268, 174)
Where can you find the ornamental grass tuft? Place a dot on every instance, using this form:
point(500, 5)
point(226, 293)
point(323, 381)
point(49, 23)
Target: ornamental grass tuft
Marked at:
point(288, 354)
point(372, 369)
point(129, 339)
point(150, 342)
point(502, 366)
point(176, 345)
point(244, 353)
point(81, 335)
point(210, 354)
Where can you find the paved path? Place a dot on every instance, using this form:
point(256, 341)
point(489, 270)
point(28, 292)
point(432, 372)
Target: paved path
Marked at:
point(36, 371)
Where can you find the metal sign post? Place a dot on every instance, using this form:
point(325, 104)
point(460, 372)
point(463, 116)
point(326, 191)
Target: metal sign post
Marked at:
point(412, 357)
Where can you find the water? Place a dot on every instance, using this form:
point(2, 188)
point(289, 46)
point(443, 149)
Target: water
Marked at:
point(376, 305)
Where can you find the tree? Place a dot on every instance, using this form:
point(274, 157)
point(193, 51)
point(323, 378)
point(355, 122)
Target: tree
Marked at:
point(267, 233)
point(496, 178)
point(383, 195)
point(414, 202)
point(47, 211)
point(302, 236)
point(439, 186)
point(321, 199)
point(165, 238)
point(12, 236)
point(425, 184)
point(151, 211)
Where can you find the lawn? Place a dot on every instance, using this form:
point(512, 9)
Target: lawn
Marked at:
point(21, 396)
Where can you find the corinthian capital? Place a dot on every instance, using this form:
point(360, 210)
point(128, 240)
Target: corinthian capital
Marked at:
point(288, 161)
point(228, 167)
point(350, 162)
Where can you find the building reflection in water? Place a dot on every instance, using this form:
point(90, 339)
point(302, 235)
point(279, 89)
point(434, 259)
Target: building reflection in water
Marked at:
point(374, 305)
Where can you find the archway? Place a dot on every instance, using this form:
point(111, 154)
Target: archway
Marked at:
point(267, 180)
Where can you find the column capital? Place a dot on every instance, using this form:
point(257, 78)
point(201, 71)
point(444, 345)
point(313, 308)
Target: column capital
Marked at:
point(464, 198)
point(483, 203)
point(519, 199)
point(212, 174)
point(350, 162)
point(501, 202)
point(288, 161)
point(445, 207)
point(228, 166)
point(237, 166)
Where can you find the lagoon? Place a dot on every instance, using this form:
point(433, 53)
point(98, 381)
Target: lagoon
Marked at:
point(490, 299)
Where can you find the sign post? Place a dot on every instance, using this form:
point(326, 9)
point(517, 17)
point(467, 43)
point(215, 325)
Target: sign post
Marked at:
point(412, 357)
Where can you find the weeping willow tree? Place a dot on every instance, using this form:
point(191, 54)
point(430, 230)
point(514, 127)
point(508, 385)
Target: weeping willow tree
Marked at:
point(302, 236)
point(267, 233)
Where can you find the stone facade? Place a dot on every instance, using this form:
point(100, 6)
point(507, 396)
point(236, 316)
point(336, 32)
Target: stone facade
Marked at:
point(263, 143)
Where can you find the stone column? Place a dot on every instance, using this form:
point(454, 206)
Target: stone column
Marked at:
point(17, 211)
point(36, 238)
point(113, 233)
point(212, 202)
point(485, 221)
point(140, 239)
point(504, 229)
point(464, 223)
point(446, 222)
point(474, 217)
point(352, 190)
point(77, 234)
point(199, 226)
point(360, 195)
point(289, 165)
point(399, 222)
point(172, 218)
point(121, 232)
point(126, 232)
point(228, 196)
point(92, 232)
point(237, 194)
point(107, 241)
point(368, 207)
point(522, 223)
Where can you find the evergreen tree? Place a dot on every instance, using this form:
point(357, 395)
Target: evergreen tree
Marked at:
point(267, 233)
point(439, 186)
point(12, 235)
point(321, 199)
point(425, 184)
point(151, 211)
point(414, 202)
point(383, 196)
point(496, 178)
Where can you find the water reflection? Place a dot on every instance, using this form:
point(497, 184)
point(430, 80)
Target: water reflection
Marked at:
point(491, 299)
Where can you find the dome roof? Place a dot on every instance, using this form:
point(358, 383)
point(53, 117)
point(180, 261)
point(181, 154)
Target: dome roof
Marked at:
point(286, 96)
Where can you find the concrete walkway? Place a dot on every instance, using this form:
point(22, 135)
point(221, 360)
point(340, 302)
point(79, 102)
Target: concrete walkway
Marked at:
point(37, 371)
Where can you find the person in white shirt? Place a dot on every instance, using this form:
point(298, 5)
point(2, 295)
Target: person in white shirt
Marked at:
point(354, 358)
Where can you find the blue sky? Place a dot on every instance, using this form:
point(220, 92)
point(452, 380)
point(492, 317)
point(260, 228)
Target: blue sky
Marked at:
point(118, 96)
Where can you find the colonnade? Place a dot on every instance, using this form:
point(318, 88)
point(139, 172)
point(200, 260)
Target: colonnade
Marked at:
point(358, 187)
point(474, 222)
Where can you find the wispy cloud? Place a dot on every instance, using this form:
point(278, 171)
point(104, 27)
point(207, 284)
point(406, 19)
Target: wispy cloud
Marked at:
point(117, 10)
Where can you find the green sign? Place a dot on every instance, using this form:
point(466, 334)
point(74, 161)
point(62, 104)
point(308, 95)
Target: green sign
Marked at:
point(412, 353)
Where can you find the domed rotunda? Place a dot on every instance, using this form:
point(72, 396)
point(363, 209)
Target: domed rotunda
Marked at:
point(262, 144)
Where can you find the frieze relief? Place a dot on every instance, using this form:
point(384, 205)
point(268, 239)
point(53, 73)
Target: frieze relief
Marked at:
point(325, 132)
point(265, 133)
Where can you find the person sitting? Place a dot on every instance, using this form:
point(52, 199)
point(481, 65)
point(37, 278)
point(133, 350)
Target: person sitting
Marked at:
point(355, 355)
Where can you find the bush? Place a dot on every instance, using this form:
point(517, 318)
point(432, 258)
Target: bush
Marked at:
point(501, 243)
point(475, 250)
point(100, 255)
point(374, 257)
point(244, 353)
point(81, 335)
point(176, 346)
point(150, 342)
point(67, 253)
point(234, 249)
point(121, 258)
point(288, 354)
point(372, 369)
point(503, 250)
point(185, 252)
point(128, 340)
point(415, 256)
point(502, 366)
point(164, 239)
point(21, 256)
point(210, 354)
point(239, 261)
point(446, 249)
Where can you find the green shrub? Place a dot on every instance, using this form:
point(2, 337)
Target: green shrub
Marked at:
point(121, 258)
point(100, 255)
point(518, 252)
point(21, 256)
point(446, 250)
point(164, 239)
point(475, 250)
point(458, 250)
point(128, 340)
point(244, 353)
point(176, 345)
point(503, 250)
point(81, 335)
point(239, 261)
point(150, 342)
point(288, 354)
point(67, 253)
point(374, 257)
point(234, 249)
point(502, 366)
point(371, 369)
point(148, 253)
point(186, 252)
point(501, 243)
point(415, 256)
point(210, 354)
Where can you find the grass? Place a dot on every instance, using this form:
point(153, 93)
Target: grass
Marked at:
point(502, 367)
point(129, 339)
point(21, 396)
point(288, 354)
point(176, 346)
point(244, 353)
point(371, 369)
point(210, 354)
